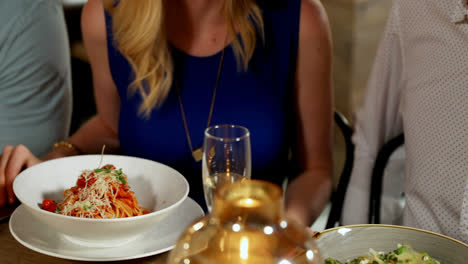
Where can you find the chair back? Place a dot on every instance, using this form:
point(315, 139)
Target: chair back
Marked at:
point(340, 192)
point(377, 177)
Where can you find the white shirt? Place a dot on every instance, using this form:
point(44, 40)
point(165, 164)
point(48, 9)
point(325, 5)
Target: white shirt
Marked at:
point(419, 86)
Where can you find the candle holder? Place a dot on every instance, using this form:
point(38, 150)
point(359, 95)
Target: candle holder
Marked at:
point(247, 226)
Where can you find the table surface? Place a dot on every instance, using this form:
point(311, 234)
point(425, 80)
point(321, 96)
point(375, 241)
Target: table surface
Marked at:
point(11, 251)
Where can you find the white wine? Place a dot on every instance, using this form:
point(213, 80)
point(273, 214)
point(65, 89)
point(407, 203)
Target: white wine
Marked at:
point(211, 182)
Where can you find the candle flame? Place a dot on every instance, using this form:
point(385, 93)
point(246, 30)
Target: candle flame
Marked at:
point(244, 248)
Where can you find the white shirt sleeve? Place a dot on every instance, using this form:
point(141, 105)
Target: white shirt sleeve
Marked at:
point(377, 121)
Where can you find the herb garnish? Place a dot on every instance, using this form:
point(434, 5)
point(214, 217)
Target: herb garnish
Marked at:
point(102, 170)
point(119, 176)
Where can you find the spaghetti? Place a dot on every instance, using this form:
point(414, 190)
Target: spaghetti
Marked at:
point(99, 193)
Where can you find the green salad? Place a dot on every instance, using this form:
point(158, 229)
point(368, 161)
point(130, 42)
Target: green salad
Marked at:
point(403, 254)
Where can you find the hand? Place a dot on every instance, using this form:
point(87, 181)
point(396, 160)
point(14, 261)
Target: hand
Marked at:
point(12, 161)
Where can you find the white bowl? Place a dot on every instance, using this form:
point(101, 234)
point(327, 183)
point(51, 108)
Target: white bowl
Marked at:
point(348, 242)
point(157, 187)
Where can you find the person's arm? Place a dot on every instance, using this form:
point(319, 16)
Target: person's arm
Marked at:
point(102, 128)
point(308, 193)
point(99, 130)
point(377, 121)
point(35, 83)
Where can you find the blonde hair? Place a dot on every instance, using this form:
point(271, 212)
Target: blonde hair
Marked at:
point(139, 34)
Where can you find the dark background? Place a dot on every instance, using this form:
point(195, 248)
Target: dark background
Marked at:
point(83, 97)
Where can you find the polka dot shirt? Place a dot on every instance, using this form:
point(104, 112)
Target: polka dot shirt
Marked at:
point(419, 86)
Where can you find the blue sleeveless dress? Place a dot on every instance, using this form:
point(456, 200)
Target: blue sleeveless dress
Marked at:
point(261, 99)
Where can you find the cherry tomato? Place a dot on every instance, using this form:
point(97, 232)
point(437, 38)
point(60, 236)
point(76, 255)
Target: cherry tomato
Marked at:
point(91, 180)
point(81, 182)
point(109, 166)
point(49, 205)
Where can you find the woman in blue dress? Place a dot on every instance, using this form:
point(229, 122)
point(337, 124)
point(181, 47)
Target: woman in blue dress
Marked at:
point(161, 67)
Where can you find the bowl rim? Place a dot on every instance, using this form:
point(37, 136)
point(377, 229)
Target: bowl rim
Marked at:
point(318, 234)
point(107, 220)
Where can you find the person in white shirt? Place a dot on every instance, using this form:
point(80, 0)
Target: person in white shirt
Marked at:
point(419, 87)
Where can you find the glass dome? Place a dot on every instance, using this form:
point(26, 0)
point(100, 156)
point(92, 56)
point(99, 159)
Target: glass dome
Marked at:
point(247, 225)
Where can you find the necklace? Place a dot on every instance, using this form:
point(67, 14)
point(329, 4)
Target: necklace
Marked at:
point(198, 153)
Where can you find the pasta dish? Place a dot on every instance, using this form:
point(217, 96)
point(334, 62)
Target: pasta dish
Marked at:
point(98, 193)
point(403, 254)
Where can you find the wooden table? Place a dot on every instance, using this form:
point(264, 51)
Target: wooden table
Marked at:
point(11, 251)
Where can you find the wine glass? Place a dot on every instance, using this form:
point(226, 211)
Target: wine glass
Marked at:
point(226, 157)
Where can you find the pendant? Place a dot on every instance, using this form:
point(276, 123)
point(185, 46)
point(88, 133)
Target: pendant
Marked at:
point(197, 154)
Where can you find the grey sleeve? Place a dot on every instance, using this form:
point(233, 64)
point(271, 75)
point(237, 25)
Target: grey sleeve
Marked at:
point(35, 74)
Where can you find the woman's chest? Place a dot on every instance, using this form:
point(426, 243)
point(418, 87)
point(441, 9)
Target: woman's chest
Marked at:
point(254, 99)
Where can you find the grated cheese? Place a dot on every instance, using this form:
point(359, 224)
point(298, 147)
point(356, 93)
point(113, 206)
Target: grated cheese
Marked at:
point(92, 197)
